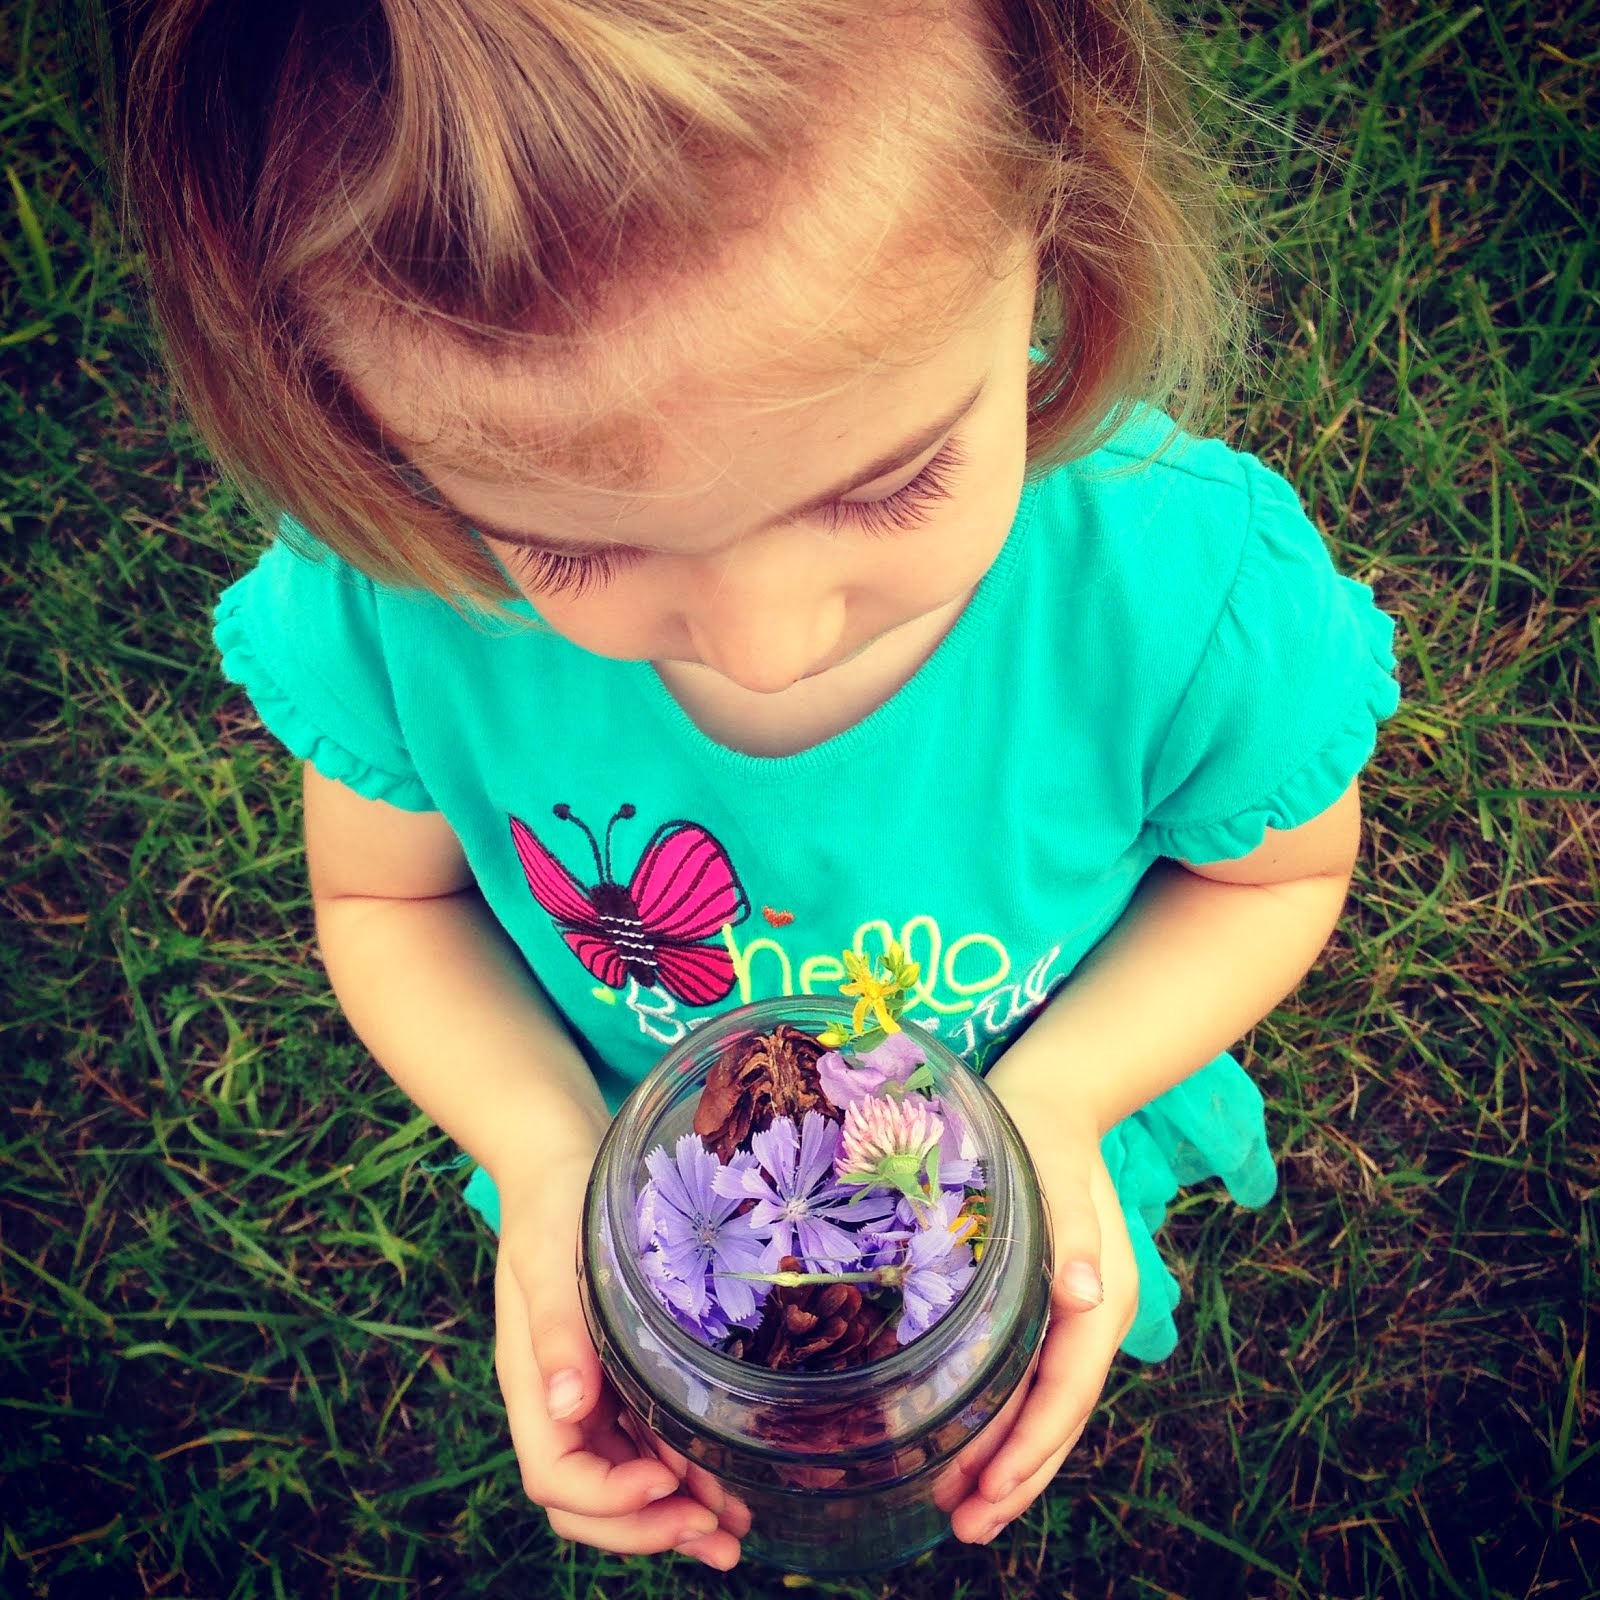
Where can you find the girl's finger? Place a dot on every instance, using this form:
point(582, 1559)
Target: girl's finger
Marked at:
point(732, 1512)
point(558, 1467)
point(649, 1532)
point(735, 1516)
point(954, 1484)
point(1077, 1354)
point(977, 1521)
point(1075, 1230)
point(720, 1551)
point(542, 1260)
point(710, 1493)
point(1072, 1372)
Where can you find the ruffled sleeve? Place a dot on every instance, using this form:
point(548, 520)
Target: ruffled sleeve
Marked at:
point(301, 634)
point(1282, 711)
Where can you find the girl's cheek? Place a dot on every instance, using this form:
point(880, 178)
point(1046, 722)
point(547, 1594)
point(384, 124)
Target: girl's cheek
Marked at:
point(624, 619)
point(977, 531)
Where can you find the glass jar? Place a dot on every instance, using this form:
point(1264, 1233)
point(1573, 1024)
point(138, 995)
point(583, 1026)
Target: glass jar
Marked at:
point(839, 1471)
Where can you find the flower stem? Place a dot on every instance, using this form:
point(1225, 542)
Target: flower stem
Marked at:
point(885, 1277)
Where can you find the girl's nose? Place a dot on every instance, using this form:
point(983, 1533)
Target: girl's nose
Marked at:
point(767, 631)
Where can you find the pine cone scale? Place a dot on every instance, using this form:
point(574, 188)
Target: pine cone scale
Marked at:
point(757, 1078)
point(817, 1327)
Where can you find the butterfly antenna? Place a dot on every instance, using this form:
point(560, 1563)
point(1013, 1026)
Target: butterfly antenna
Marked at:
point(623, 813)
point(564, 811)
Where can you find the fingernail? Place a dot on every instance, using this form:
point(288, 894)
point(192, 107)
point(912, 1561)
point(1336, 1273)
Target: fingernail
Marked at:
point(989, 1533)
point(660, 1492)
point(1003, 1488)
point(564, 1394)
point(698, 1528)
point(1082, 1282)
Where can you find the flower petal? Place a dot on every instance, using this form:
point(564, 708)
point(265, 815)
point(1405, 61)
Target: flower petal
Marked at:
point(774, 1148)
point(669, 1181)
point(839, 1080)
point(895, 1059)
point(819, 1143)
point(684, 1260)
point(740, 1179)
point(738, 1251)
point(824, 1247)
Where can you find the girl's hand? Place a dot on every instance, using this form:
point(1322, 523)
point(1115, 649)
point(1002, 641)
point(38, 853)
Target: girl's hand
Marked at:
point(596, 1484)
point(1012, 1461)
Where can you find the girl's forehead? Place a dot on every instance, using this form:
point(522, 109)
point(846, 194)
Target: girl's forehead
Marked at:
point(823, 269)
point(601, 416)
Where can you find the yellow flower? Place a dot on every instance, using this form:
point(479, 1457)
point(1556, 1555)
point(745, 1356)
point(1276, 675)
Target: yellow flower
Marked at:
point(880, 999)
point(972, 1223)
point(905, 973)
point(856, 965)
point(873, 993)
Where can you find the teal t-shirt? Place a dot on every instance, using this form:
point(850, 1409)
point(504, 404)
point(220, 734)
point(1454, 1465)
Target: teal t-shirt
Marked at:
point(1159, 663)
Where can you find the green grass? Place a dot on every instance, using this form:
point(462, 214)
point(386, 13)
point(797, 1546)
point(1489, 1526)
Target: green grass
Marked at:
point(247, 1332)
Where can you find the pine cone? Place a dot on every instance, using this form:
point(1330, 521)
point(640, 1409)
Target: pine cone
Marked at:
point(816, 1327)
point(756, 1078)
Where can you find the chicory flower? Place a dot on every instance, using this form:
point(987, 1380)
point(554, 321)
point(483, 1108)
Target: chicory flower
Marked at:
point(798, 1204)
point(938, 1266)
point(700, 1240)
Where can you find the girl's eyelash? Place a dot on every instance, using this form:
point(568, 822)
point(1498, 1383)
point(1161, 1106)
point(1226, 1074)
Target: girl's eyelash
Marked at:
point(907, 506)
point(551, 572)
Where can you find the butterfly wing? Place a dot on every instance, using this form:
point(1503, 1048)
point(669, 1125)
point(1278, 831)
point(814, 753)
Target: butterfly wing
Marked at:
point(685, 887)
point(553, 886)
point(697, 974)
point(685, 890)
point(569, 903)
point(599, 955)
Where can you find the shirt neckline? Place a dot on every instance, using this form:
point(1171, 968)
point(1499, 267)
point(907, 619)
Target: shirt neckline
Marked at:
point(879, 725)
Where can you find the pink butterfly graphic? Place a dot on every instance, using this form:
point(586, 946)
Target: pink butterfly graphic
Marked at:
point(683, 891)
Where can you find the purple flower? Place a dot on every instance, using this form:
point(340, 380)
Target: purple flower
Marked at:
point(955, 1178)
point(791, 1179)
point(709, 1325)
point(938, 1265)
point(698, 1239)
point(893, 1061)
point(690, 1304)
point(958, 1150)
point(940, 1268)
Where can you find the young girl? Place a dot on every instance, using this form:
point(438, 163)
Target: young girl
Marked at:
point(723, 438)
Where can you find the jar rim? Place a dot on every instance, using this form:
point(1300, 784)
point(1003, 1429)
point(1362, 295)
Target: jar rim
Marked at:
point(777, 1386)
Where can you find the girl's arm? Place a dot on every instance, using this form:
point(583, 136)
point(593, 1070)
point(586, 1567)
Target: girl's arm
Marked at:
point(443, 1000)
point(436, 990)
point(1201, 955)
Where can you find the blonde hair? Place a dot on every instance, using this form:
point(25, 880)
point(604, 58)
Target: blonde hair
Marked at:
point(502, 170)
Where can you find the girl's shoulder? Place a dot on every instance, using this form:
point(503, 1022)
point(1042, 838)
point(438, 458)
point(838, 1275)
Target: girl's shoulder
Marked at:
point(1151, 540)
point(1196, 604)
point(302, 597)
point(1164, 510)
point(311, 640)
